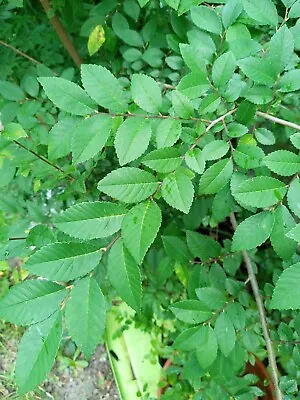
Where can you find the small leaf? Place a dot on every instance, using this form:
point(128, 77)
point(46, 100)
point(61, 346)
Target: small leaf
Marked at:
point(103, 87)
point(259, 70)
point(178, 190)
point(167, 133)
point(207, 346)
point(295, 10)
point(67, 95)
point(163, 160)
point(215, 150)
point(129, 184)
point(293, 197)
point(176, 249)
point(90, 136)
point(223, 69)
point(225, 333)
point(284, 222)
point(36, 353)
point(283, 162)
point(188, 339)
point(207, 19)
point(182, 105)
point(194, 85)
point(190, 311)
point(294, 233)
point(264, 136)
point(96, 39)
point(262, 11)
point(192, 57)
point(244, 237)
point(236, 130)
point(281, 49)
point(261, 191)
point(13, 131)
point(90, 220)
point(140, 227)
point(64, 261)
point(87, 305)
point(146, 93)
point(286, 292)
point(132, 139)
point(195, 160)
point(290, 81)
point(295, 139)
point(248, 156)
point(259, 94)
point(213, 298)
point(11, 91)
point(203, 247)
point(61, 136)
point(216, 177)
point(231, 12)
point(124, 274)
point(31, 301)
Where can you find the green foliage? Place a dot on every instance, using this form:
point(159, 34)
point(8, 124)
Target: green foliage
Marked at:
point(122, 181)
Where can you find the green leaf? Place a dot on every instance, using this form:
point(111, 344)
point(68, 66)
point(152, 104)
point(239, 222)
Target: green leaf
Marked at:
point(293, 197)
point(177, 249)
point(203, 247)
point(194, 85)
point(124, 274)
point(90, 136)
point(64, 261)
point(223, 69)
point(290, 81)
point(87, 305)
point(216, 177)
point(259, 94)
point(190, 311)
point(61, 136)
point(67, 96)
point(146, 93)
point(215, 150)
point(262, 11)
point(295, 139)
point(294, 233)
point(283, 162)
point(264, 136)
point(195, 160)
point(245, 112)
point(248, 156)
point(96, 39)
point(31, 301)
point(286, 292)
point(129, 184)
point(11, 91)
point(90, 220)
point(192, 57)
point(103, 87)
point(167, 133)
point(140, 227)
point(207, 19)
point(188, 339)
point(13, 131)
point(182, 105)
point(231, 12)
point(178, 190)
point(173, 3)
point(236, 130)
point(223, 204)
point(260, 191)
point(36, 353)
point(123, 31)
point(295, 10)
point(281, 49)
point(209, 104)
point(225, 333)
point(132, 139)
point(244, 237)
point(260, 70)
point(284, 222)
point(163, 160)
point(244, 47)
point(213, 298)
point(207, 346)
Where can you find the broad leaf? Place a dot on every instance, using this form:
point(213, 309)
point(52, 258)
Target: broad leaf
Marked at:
point(103, 87)
point(60, 137)
point(286, 292)
point(295, 139)
point(132, 139)
point(87, 305)
point(140, 227)
point(182, 105)
point(163, 160)
point(215, 150)
point(68, 96)
point(167, 133)
point(64, 261)
point(283, 162)
point(225, 333)
point(90, 220)
point(213, 298)
point(191, 311)
point(260, 70)
point(188, 339)
point(124, 274)
point(203, 247)
point(36, 352)
point(290, 81)
point(195, 160)
point(231, 12)
point(261, 191)
point(248, 156)
point(128, 184)
point(223, 69)
point(31, 301)
point(262, 11)
point(146, 93)
point(178, 190)
point(207, 346)
point(294, 233)
point(281, 49)
point(194, 85)
point(264, 136)
point(176, 248)
point(192, 57)
point(261, 224)
point(216, 177)
point(90, 136)
point(293, 197)
point(207, 19)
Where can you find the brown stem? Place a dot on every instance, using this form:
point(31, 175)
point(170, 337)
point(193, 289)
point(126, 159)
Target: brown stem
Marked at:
point(62, 34)
point(20, 52)
point(262, 317)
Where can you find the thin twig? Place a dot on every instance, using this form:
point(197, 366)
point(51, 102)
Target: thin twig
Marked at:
point(39, 157)
point(17, 238)
point(278, 120)
point(262, 316)
point(20, 52)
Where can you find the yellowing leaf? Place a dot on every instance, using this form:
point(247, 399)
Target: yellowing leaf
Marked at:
point(96, 40)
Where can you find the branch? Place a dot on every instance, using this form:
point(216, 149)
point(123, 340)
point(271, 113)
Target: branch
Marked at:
point(262, 316)
point(20, 52)
point(62, 34)
point(278, 120)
